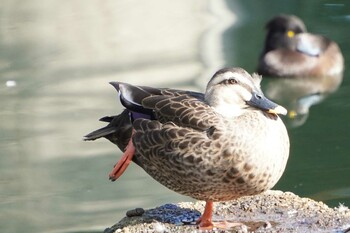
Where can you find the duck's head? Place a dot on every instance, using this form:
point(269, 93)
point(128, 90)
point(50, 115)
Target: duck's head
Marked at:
point(282, 31)
point(232, 91)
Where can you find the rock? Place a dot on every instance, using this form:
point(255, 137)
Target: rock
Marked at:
point(135, 212)
point(271, 211)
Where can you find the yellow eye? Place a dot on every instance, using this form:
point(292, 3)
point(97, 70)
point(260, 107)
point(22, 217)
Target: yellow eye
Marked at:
point(290, 34)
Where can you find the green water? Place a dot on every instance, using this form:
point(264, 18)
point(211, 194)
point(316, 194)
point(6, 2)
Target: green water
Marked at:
point(62, 57)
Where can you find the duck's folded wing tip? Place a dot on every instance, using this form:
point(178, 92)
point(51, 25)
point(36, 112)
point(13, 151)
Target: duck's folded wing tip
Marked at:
point(103, 132)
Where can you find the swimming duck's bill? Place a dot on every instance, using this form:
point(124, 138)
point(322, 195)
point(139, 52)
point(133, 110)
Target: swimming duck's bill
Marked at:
point(263, 103)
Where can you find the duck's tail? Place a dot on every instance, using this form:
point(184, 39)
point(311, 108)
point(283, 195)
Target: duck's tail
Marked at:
point(118, 131)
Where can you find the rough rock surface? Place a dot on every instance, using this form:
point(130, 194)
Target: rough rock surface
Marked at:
point(272, 211)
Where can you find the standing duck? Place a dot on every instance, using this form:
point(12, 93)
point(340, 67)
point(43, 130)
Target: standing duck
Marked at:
point(290, 51)
point(217, 146)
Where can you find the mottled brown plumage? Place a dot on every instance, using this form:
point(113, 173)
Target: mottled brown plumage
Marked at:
point(217, 146)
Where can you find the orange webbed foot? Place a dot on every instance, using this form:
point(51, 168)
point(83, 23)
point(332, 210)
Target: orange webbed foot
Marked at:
point(205, 221)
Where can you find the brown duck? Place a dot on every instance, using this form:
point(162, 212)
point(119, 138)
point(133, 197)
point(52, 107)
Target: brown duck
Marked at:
point(290, 51)
point(217, 146)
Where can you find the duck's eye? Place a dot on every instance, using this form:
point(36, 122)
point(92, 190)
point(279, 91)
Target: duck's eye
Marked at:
point(229, 81)
point(232, 81)
point(290, 34)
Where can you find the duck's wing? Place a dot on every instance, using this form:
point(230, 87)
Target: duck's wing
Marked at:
point(165, 104)
point(171, 143)
point(183, 109)
point(132, 98)
point(119, 129)
point(183, 131)
point(186, 132)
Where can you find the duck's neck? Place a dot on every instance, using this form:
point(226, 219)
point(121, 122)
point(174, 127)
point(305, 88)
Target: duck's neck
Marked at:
point(225, 105)
point(228, 112)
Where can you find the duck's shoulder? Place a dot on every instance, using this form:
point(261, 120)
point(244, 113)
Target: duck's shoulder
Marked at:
point(183, 108)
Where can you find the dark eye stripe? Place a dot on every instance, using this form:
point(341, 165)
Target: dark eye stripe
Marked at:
point(232, 81)
point(229, 81)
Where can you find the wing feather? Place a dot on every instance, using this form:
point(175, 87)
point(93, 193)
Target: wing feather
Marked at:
point(183, 110)
point(170, 144)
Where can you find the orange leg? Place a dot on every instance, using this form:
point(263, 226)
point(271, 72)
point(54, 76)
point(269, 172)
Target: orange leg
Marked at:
point(124, 162)
point(205, 221)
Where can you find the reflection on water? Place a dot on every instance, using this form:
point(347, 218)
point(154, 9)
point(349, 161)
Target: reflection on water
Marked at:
point(62, 56)
point(332, 194)
point(299, 94)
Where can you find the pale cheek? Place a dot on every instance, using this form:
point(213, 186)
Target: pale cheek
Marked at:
point(246, 95)
point(235, 96)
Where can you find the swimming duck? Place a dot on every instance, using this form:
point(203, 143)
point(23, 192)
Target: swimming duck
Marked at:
point(291, 51)
point(226, 143)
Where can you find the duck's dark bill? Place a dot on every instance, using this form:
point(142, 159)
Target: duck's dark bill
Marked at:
point(263, 103)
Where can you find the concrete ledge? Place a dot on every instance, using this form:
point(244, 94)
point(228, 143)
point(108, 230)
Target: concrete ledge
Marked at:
point(271, 211)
